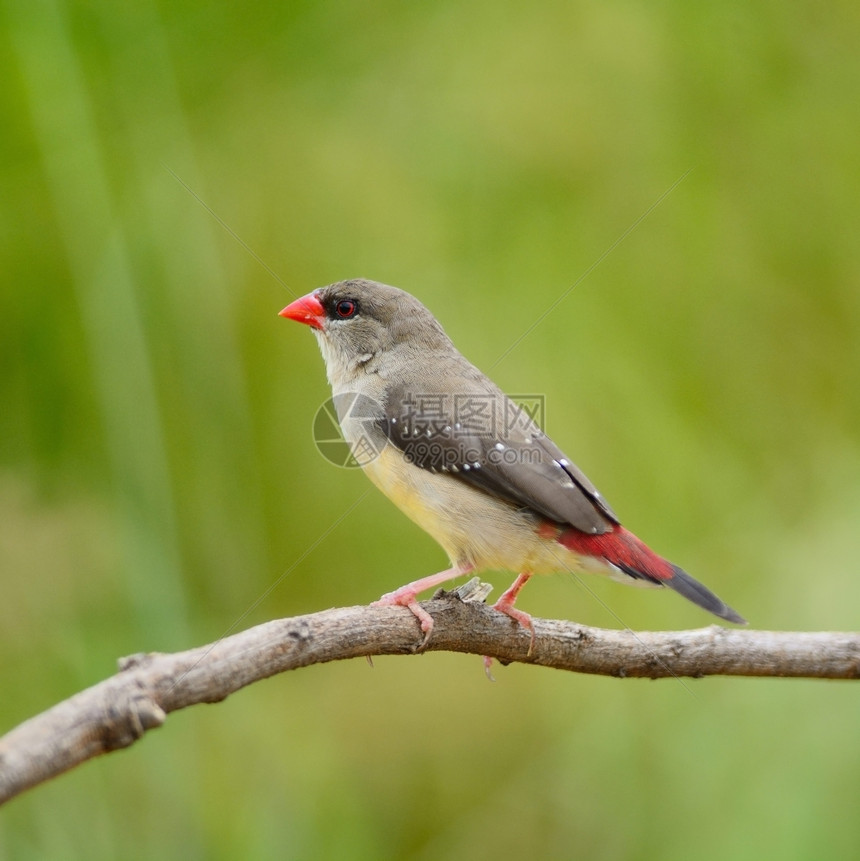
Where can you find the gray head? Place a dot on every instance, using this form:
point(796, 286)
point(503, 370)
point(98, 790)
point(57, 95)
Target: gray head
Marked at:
point(363, 325)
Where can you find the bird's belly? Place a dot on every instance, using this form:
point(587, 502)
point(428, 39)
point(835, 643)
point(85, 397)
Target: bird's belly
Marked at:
point(473, 527)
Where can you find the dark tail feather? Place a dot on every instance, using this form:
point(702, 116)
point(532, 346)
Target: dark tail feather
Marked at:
point(694, 591)
point(624, 551)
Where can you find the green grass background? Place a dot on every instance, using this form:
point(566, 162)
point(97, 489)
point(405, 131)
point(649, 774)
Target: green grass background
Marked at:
point(159, 482)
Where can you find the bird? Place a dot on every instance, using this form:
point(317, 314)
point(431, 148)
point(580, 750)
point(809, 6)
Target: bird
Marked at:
point(464, 461)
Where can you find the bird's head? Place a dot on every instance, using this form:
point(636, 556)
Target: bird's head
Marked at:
point(362, 326)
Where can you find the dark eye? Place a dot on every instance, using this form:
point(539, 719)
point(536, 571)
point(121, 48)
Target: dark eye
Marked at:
point(346, 308)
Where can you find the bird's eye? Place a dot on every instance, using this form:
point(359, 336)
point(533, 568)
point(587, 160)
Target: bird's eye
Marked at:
point(346, 308)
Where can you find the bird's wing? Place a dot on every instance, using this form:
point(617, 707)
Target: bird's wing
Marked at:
point(487, 441)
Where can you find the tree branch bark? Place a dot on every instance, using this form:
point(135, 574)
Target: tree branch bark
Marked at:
point(118, 711)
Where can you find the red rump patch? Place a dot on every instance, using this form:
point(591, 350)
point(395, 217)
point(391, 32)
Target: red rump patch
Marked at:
point(621, 548)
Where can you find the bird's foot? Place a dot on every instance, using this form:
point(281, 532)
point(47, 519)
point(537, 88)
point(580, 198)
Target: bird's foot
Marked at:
point(505, 605)
point(518, 616)
point(405, 597)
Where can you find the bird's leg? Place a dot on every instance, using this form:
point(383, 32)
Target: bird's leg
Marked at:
point(405, 597)
point(505, 605)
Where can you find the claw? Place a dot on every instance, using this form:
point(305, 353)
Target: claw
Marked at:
point(405, 597)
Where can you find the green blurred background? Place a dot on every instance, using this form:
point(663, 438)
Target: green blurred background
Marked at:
point(159, 484)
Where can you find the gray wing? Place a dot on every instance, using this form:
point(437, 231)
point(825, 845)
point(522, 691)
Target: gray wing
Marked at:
point(496, 448)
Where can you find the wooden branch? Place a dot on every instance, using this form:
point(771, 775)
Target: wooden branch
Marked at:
point(118, 711)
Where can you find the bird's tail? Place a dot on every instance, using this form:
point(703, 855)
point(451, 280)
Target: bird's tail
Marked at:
point(624, 551)
point(694, 591)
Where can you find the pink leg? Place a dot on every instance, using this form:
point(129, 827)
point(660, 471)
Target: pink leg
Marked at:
point(505, 605)
point(405, 597)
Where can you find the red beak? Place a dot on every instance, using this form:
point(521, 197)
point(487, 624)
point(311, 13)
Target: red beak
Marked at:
point(308, 310)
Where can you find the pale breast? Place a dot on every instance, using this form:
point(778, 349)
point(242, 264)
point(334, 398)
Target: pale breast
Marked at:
point(472, 527)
